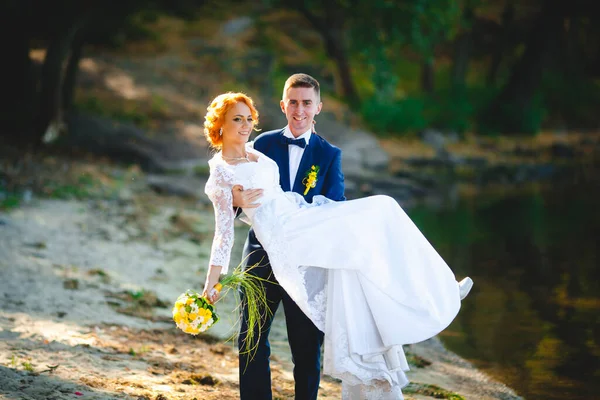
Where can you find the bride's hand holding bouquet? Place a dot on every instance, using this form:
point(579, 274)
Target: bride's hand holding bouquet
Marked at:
point(212, 287)
point(195, 313)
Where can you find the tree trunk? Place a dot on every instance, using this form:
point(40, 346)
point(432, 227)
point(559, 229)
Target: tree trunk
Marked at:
point(508, 113)
point(68, 91)
point(331, 30)
point(460, 64)
point(334, 45)
point(462, 49)
point(17, 81)
point(508, 16)
point(50, 106)
point(427, 76)
point(573, 61)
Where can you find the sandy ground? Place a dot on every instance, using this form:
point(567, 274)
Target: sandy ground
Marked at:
point(85, 295)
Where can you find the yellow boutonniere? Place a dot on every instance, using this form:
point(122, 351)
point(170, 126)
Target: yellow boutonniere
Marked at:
point(310, 180)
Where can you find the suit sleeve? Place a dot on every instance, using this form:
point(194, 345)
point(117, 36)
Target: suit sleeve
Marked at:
point(334, 180)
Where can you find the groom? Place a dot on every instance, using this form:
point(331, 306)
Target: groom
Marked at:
point(296, 149)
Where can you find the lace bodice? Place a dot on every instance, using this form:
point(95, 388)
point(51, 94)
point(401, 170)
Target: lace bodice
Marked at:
point(263, 174)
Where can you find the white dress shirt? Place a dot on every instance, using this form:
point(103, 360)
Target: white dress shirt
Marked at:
point(295, 152)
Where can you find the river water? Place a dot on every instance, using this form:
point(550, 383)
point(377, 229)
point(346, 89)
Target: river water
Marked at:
point(533, 317)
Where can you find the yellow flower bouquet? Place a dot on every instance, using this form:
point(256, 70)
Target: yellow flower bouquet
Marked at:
point(194, 313)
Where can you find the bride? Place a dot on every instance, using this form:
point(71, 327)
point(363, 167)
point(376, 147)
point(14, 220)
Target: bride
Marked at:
point(360, 269)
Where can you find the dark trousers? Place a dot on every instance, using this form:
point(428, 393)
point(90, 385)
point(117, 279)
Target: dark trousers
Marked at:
point(304, 338)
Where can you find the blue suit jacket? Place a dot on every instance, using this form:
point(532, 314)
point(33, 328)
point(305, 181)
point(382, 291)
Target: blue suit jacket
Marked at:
point(330, 180)
point(306, 339)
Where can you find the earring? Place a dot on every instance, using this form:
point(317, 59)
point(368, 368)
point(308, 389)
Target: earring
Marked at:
point(221, 132)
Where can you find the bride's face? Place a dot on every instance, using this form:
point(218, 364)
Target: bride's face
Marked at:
point(238, 125)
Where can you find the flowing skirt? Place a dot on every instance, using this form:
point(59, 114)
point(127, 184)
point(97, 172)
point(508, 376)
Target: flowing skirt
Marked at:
point(366, 276)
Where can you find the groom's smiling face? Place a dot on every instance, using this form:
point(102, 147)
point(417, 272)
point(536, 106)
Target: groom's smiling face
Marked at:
point(300, 105)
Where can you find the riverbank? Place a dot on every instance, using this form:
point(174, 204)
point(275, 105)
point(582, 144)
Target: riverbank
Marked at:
point(93, 253)
point(88, 275)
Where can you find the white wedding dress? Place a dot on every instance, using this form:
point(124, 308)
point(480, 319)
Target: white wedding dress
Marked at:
point(360, 270)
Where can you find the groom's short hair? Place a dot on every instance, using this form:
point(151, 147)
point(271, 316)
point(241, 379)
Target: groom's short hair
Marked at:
point(302, 80)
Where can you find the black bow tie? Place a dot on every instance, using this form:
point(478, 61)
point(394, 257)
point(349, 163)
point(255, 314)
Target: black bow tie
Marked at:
point(297, 142)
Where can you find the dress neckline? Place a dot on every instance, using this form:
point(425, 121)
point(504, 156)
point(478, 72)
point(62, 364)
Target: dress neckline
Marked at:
point(240, 163)
point(249, 149)
point(243, 163)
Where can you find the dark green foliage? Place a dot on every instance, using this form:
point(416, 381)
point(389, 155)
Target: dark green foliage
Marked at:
point(453, 113)
point(455, 109)
point(447, 110)
point(388, 60)
point(513, 118)
point(389, 117)
point(572, 103)
point(116, 24)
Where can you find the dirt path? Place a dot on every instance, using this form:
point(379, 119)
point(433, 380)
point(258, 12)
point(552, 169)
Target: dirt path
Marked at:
point(85, 295)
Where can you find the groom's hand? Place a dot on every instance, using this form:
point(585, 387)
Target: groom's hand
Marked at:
point(246, 198)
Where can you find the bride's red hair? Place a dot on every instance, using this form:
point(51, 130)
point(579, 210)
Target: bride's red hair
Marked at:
point(213, 121)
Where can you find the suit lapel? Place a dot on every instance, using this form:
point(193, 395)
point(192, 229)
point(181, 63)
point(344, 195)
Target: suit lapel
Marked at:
point(282, 157)
point(310, 154)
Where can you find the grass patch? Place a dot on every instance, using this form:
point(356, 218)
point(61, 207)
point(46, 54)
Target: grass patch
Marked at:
point(143, 113)
point(8, 201)
point(417, 361)
point(65, 192)
point(59, 177)
point(141, 351)
point(104, 276)
point(145, 298)
point(27, 366)
point(117, 108)
point(84, 186)
point(432, 391)
point(205, 379)
point(138, 303)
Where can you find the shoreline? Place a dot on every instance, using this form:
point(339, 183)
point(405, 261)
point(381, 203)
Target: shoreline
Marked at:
point(87, 287)
point(77, 275)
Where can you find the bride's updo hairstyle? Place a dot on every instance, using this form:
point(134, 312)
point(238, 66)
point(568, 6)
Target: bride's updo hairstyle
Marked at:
point(215, 116)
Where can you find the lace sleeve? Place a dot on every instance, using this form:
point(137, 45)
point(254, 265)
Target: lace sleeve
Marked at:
point(218, 189)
